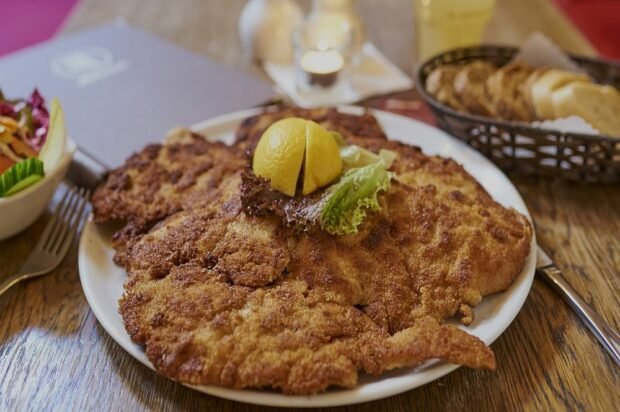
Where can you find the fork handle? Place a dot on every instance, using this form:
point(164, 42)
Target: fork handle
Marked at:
point(607, 337)
point(14, 280)
point(9, 282)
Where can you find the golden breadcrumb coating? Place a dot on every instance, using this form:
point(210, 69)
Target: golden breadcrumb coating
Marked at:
point(220, 297)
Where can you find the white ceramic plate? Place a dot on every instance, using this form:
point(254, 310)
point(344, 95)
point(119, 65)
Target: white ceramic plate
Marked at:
point(102, 280)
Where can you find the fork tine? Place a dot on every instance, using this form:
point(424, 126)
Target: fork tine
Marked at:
point(76, 220)
point(73, 221)
point(60, 219)
point(82, 213)
point(64, 199)
point(65, 221)
point(52, 222)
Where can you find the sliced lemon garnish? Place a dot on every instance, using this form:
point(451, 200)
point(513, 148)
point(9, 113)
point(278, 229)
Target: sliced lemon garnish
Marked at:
point(56, 140)
point(283, 148)
point(323, 162)
point(280, 153)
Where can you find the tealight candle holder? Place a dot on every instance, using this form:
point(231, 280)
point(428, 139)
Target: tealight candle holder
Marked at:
point(322, 59)
point(321, 67)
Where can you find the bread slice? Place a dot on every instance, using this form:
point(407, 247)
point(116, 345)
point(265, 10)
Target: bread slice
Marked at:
point(526, 89)
point(546, 84)
point(598, 105)
point(440, 84)
point(470, 87)
point(505, 89)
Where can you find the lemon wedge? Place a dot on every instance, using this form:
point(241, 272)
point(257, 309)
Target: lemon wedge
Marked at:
point(56, 139)
point(280, 153)
point(290, 143)
point(323, 161)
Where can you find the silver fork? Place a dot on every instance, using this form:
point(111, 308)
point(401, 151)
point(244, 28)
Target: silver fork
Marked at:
point(56, 239)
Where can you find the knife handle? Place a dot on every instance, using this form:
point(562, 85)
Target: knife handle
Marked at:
point(608, 337)
point(85, 170)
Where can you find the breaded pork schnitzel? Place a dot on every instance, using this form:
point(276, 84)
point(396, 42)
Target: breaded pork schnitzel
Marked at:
point(160, 180)
point(252, 128)
point(221, 295)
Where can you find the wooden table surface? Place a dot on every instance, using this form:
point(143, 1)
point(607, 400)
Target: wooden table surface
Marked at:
point(55, 356)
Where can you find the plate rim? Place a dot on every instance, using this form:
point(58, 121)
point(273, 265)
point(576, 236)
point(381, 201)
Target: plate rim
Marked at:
point(335, 397)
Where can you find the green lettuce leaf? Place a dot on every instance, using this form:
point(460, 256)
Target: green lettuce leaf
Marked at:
point(355, 156)
point(21, 175)
point(344, 205)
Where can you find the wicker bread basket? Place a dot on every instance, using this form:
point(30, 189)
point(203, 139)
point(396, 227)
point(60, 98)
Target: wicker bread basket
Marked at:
point(518, 147)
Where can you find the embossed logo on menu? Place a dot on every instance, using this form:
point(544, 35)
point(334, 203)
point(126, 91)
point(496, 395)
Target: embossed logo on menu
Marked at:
point(87, 65)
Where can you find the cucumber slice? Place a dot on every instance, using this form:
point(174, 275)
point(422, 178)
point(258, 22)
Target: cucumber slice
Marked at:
point(18, 173)
point(21, 185)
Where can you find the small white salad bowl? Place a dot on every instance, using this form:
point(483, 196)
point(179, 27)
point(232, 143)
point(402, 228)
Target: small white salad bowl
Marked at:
point(19, 211)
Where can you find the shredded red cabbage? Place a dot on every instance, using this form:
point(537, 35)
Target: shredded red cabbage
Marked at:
point(6, 109)
point(31, 114)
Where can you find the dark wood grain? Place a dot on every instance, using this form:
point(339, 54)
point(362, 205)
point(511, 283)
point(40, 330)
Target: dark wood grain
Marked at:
point(55, 356)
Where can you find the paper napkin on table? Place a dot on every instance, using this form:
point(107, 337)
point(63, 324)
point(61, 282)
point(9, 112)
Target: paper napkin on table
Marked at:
point(374, 75)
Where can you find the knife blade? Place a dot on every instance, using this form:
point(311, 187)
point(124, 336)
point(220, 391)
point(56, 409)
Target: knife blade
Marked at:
point(608, 338)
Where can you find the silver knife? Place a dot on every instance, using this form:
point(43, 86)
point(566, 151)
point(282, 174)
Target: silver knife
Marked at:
point(608, 337)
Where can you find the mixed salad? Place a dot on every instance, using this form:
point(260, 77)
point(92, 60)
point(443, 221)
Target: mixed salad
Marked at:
point(32, 140)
